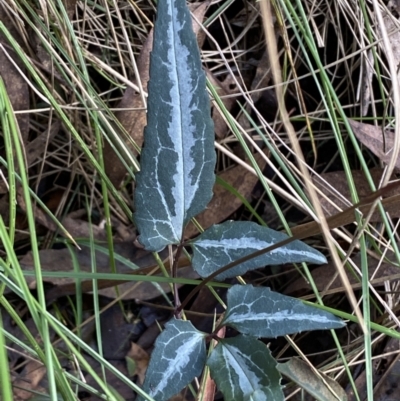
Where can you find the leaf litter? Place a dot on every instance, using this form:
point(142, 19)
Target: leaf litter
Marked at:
point(17, 87)
point(133, 122)
point(377, 139)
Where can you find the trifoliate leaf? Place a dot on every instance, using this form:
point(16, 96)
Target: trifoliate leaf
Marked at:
point(261, 312)
point(224, 243)
point(177, 162)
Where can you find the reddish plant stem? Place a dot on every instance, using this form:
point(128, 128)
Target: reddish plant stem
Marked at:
point(177, 302)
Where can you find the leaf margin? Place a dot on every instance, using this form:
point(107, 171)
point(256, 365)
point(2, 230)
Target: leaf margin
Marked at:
point(168, 195)
point(259, 326)
point(173, 329)
point(208, 262)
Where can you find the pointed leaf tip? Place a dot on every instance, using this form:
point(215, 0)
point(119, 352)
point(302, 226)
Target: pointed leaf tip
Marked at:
point(178, 357)
point(178, 158)
point(224, 243)
point(260, 312)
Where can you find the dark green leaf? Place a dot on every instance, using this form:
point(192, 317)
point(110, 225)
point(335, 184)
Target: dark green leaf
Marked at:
point(177, 162)
point(232, 240)
point(244, 369)
point(178, 357)
point(263, 313)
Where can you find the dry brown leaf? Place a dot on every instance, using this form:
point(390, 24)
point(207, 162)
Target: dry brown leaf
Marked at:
point(141, 358)
point(31, 374)
point(366, 83)
point(319, 385)
point(338, 181)
point(307, 230)
point(223, 88)
point(70, 7)
point(394, 37)
point(37, 147)
point(389, 377)
point(116, 333)
point(78, 228)
point(118, 387)
point(262, 77)
point(380, 142)
point(17, 88)
point(323, 275)
point(133, 119)
point(260, 80)
point(224, 203)
point(27, 382)
point(359, 390)
point(74, 226)
point(144, 291)
point(61, 260)
point(198, 10)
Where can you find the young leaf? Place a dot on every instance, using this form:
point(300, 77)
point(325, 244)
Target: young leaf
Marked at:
point(177, 161)
point(261, 312)
point(178, 357)
point(244, 369)
point(232, 240)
